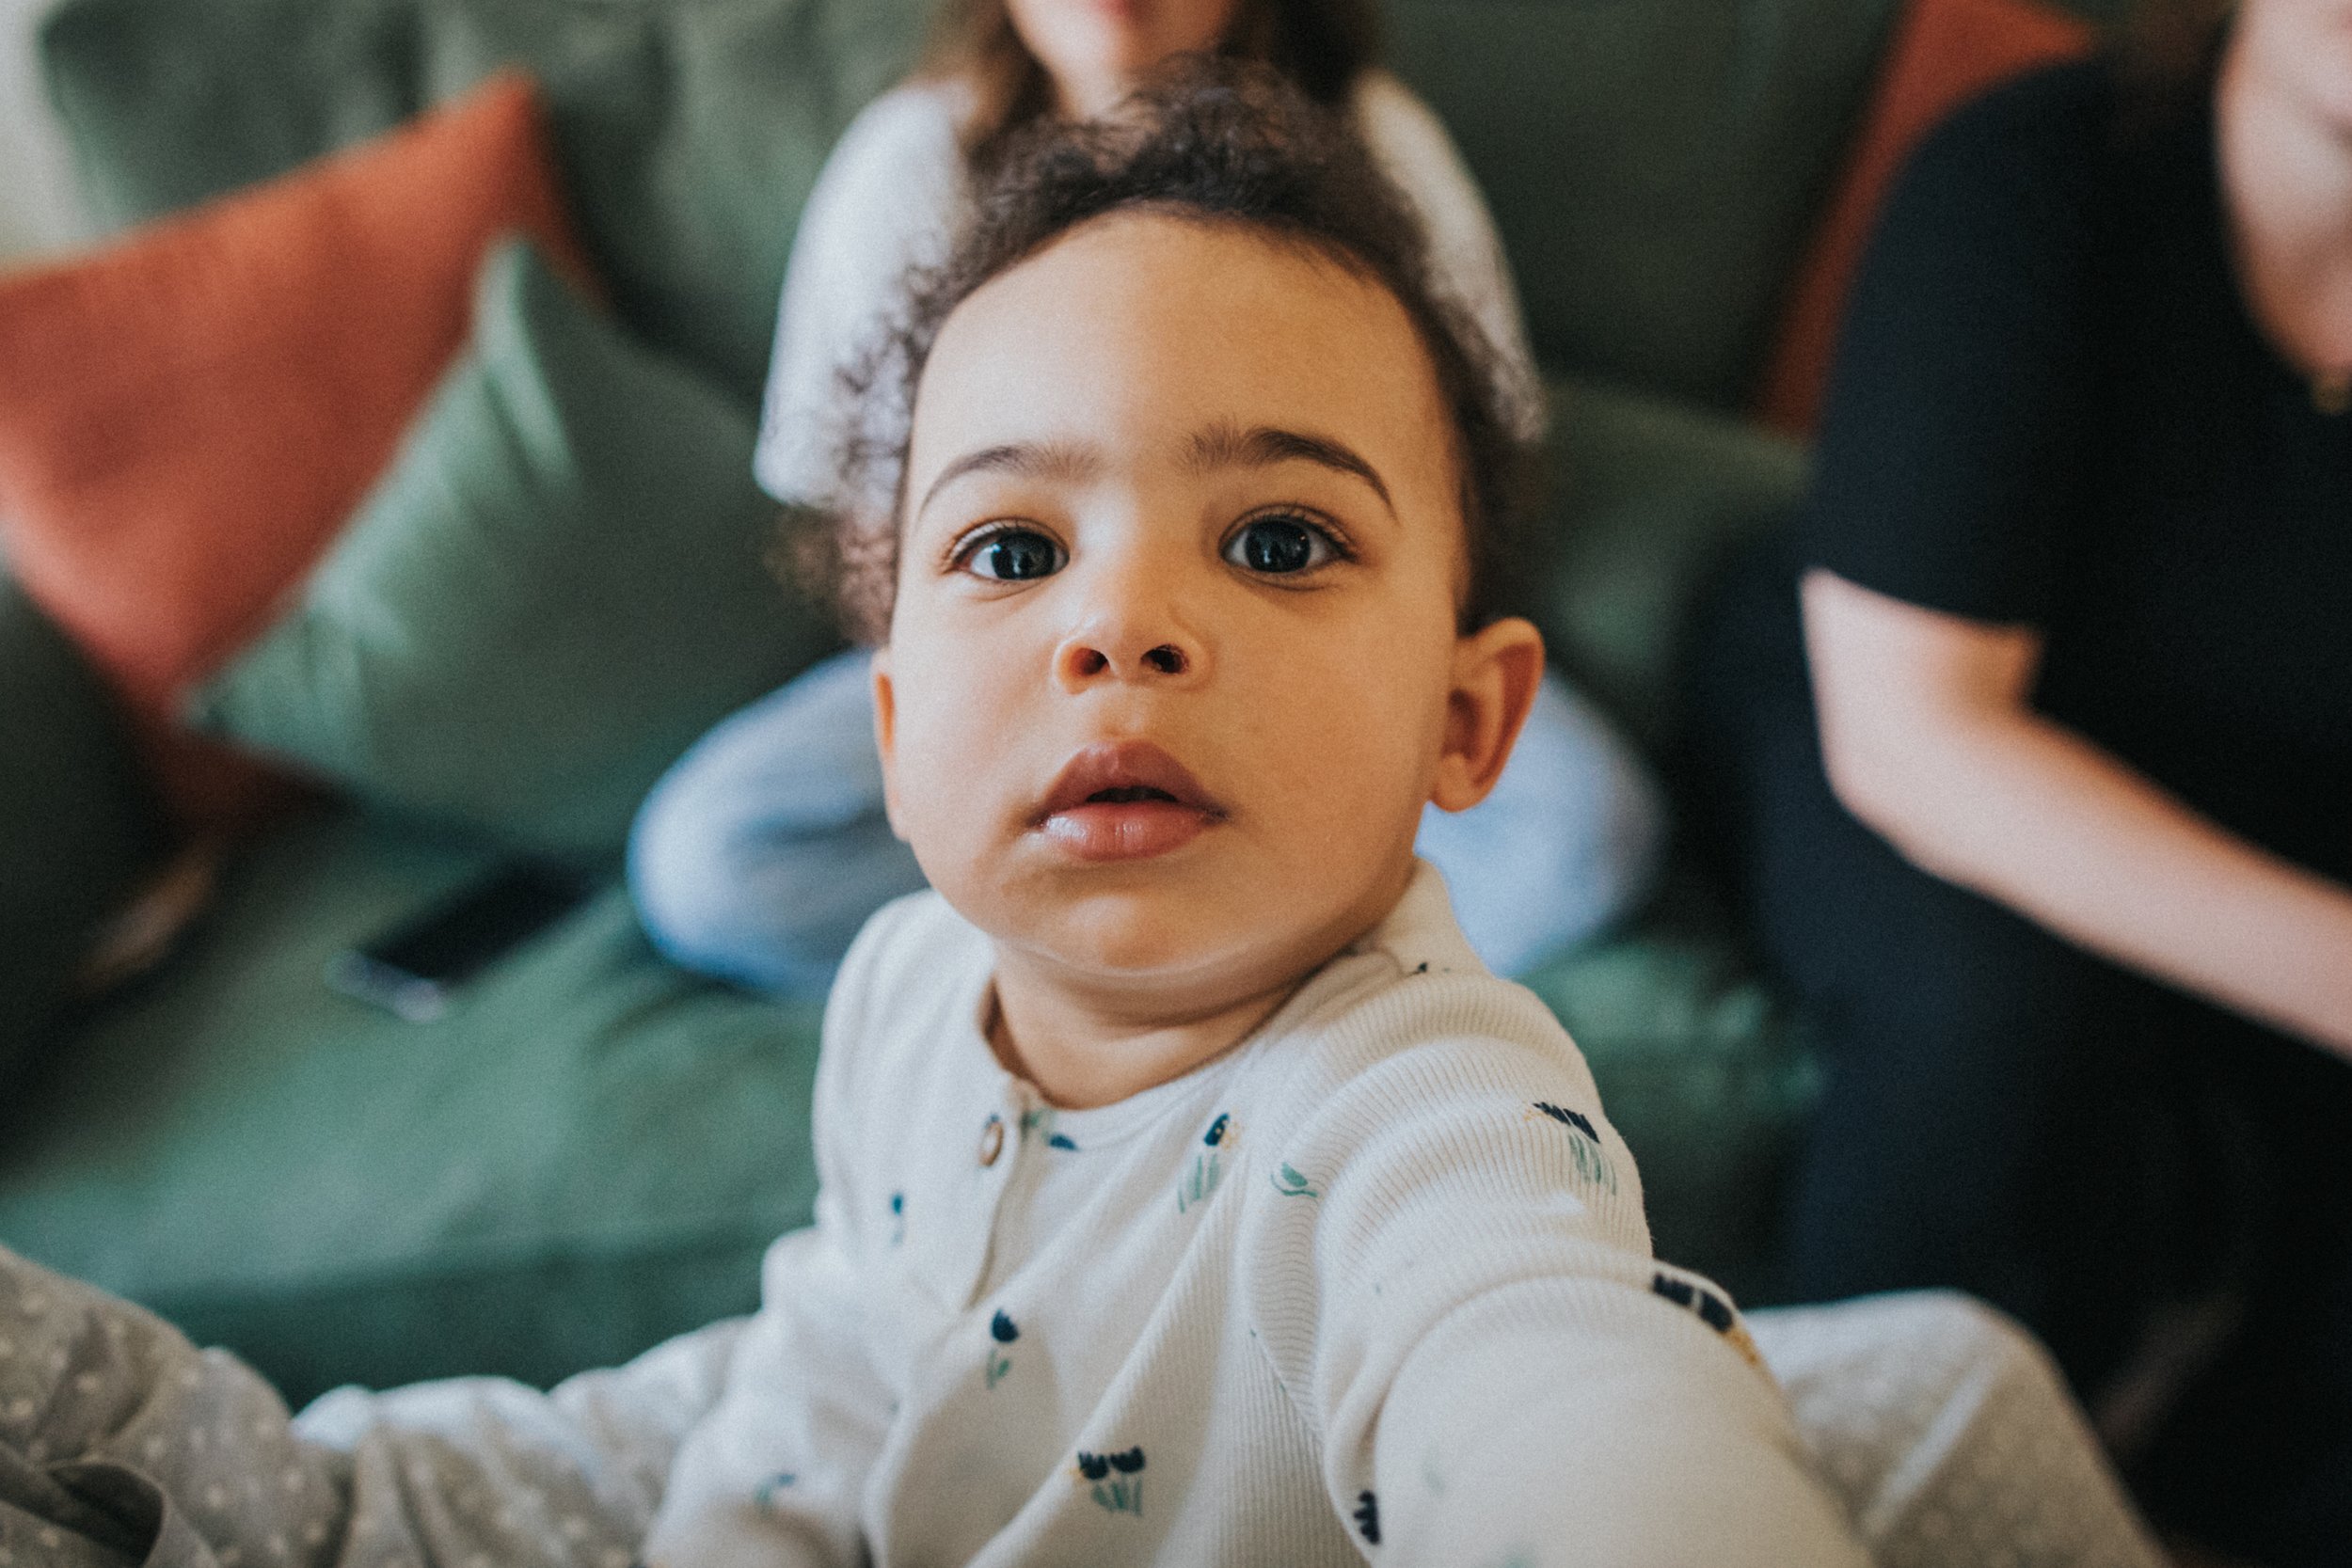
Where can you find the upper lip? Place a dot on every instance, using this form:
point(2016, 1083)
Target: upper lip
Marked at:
point(1124, 765)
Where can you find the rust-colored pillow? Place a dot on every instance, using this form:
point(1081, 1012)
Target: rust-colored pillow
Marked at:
point(190, 415)
point(1945, 53)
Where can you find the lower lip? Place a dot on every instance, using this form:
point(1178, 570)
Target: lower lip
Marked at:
point(1128, 830)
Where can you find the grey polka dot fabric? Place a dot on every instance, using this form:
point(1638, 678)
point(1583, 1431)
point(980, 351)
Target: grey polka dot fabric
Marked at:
point(122, 1446)
point(1949, 1436)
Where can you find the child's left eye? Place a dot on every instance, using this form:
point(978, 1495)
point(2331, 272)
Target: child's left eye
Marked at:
point(1280, 546)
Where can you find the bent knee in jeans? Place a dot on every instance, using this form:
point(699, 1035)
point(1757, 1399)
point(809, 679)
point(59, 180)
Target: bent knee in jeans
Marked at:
point(761, 852)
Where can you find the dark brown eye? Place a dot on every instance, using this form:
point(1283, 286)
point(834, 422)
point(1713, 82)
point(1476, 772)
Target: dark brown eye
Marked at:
point(1279, 547)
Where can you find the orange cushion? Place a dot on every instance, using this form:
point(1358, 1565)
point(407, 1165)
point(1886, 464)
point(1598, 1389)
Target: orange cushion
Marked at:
point(190, 413)
point(1945, 53)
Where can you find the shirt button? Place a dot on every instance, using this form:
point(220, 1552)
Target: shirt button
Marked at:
point(991, 1140)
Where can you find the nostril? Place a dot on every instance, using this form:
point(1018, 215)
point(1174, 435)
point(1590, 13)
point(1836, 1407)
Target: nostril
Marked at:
point(1167, 659)
point(1090, 662)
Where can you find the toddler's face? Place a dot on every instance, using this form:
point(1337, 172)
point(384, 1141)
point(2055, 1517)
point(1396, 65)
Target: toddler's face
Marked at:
point(1096, 51)
point(1174, 664)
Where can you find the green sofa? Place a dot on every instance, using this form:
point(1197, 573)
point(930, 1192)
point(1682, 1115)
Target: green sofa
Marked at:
point(589, 1152)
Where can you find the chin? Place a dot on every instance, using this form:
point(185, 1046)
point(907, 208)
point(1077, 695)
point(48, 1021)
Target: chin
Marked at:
point(1163, 948)
point(1138, 937)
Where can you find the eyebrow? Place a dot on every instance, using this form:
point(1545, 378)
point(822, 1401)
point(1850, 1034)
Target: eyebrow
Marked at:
point(1221, 445)
point(1224, 445)
point(1050, 460)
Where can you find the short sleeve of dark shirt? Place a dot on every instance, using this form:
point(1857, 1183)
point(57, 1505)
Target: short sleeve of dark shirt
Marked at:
point(1960, 395)
point(2050, 407)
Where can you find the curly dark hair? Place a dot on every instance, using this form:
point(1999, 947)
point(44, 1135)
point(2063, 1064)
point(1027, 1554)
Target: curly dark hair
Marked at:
point(1215, 141)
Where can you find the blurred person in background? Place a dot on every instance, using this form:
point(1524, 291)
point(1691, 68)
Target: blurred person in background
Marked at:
point(2056, 841)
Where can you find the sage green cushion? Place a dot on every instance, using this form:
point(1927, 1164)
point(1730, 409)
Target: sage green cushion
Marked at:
point(689, 134)
point(1648, 496)
point(78, 824)
point(1654, 166)
point(1699, 1062)
point(559, 584)
point(1706, 1073)
point(585, 1154)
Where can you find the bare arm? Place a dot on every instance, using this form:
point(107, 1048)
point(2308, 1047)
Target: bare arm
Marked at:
point(1930, 740)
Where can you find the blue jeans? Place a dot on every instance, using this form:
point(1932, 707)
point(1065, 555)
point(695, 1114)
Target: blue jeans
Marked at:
point(761, 852)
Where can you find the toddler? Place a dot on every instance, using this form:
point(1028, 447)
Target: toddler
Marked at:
point(766, 847)
point(1190, 1192)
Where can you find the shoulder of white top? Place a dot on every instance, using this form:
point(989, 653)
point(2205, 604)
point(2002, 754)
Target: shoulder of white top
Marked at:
point(913, 120)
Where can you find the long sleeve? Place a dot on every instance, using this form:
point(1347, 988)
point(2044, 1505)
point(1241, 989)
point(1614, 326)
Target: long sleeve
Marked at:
point(1461, 1298)
point(776, 1473)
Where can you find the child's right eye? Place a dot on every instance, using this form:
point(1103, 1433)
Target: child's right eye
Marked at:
point(1011, 555)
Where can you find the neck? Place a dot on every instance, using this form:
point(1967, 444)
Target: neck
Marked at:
point(1088, 1039)
point(2286, 181)
point(1084, 1047)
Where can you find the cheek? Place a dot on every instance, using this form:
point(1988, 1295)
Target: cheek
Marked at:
point(945, 710)
point(1358, 706)
point(967, 681)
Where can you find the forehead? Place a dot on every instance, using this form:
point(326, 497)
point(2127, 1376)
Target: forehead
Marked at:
point(1135, 330)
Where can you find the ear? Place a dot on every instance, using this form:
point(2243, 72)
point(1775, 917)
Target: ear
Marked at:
point(1496, 672)
point(886, 735)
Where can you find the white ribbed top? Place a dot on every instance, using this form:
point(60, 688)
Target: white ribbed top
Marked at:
point(1376, 1284)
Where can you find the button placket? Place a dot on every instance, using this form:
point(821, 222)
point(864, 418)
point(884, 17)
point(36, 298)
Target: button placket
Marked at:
point(951, 1242)
point(995, 1157)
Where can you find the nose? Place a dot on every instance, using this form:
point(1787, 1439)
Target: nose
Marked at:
point(1131, 630)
